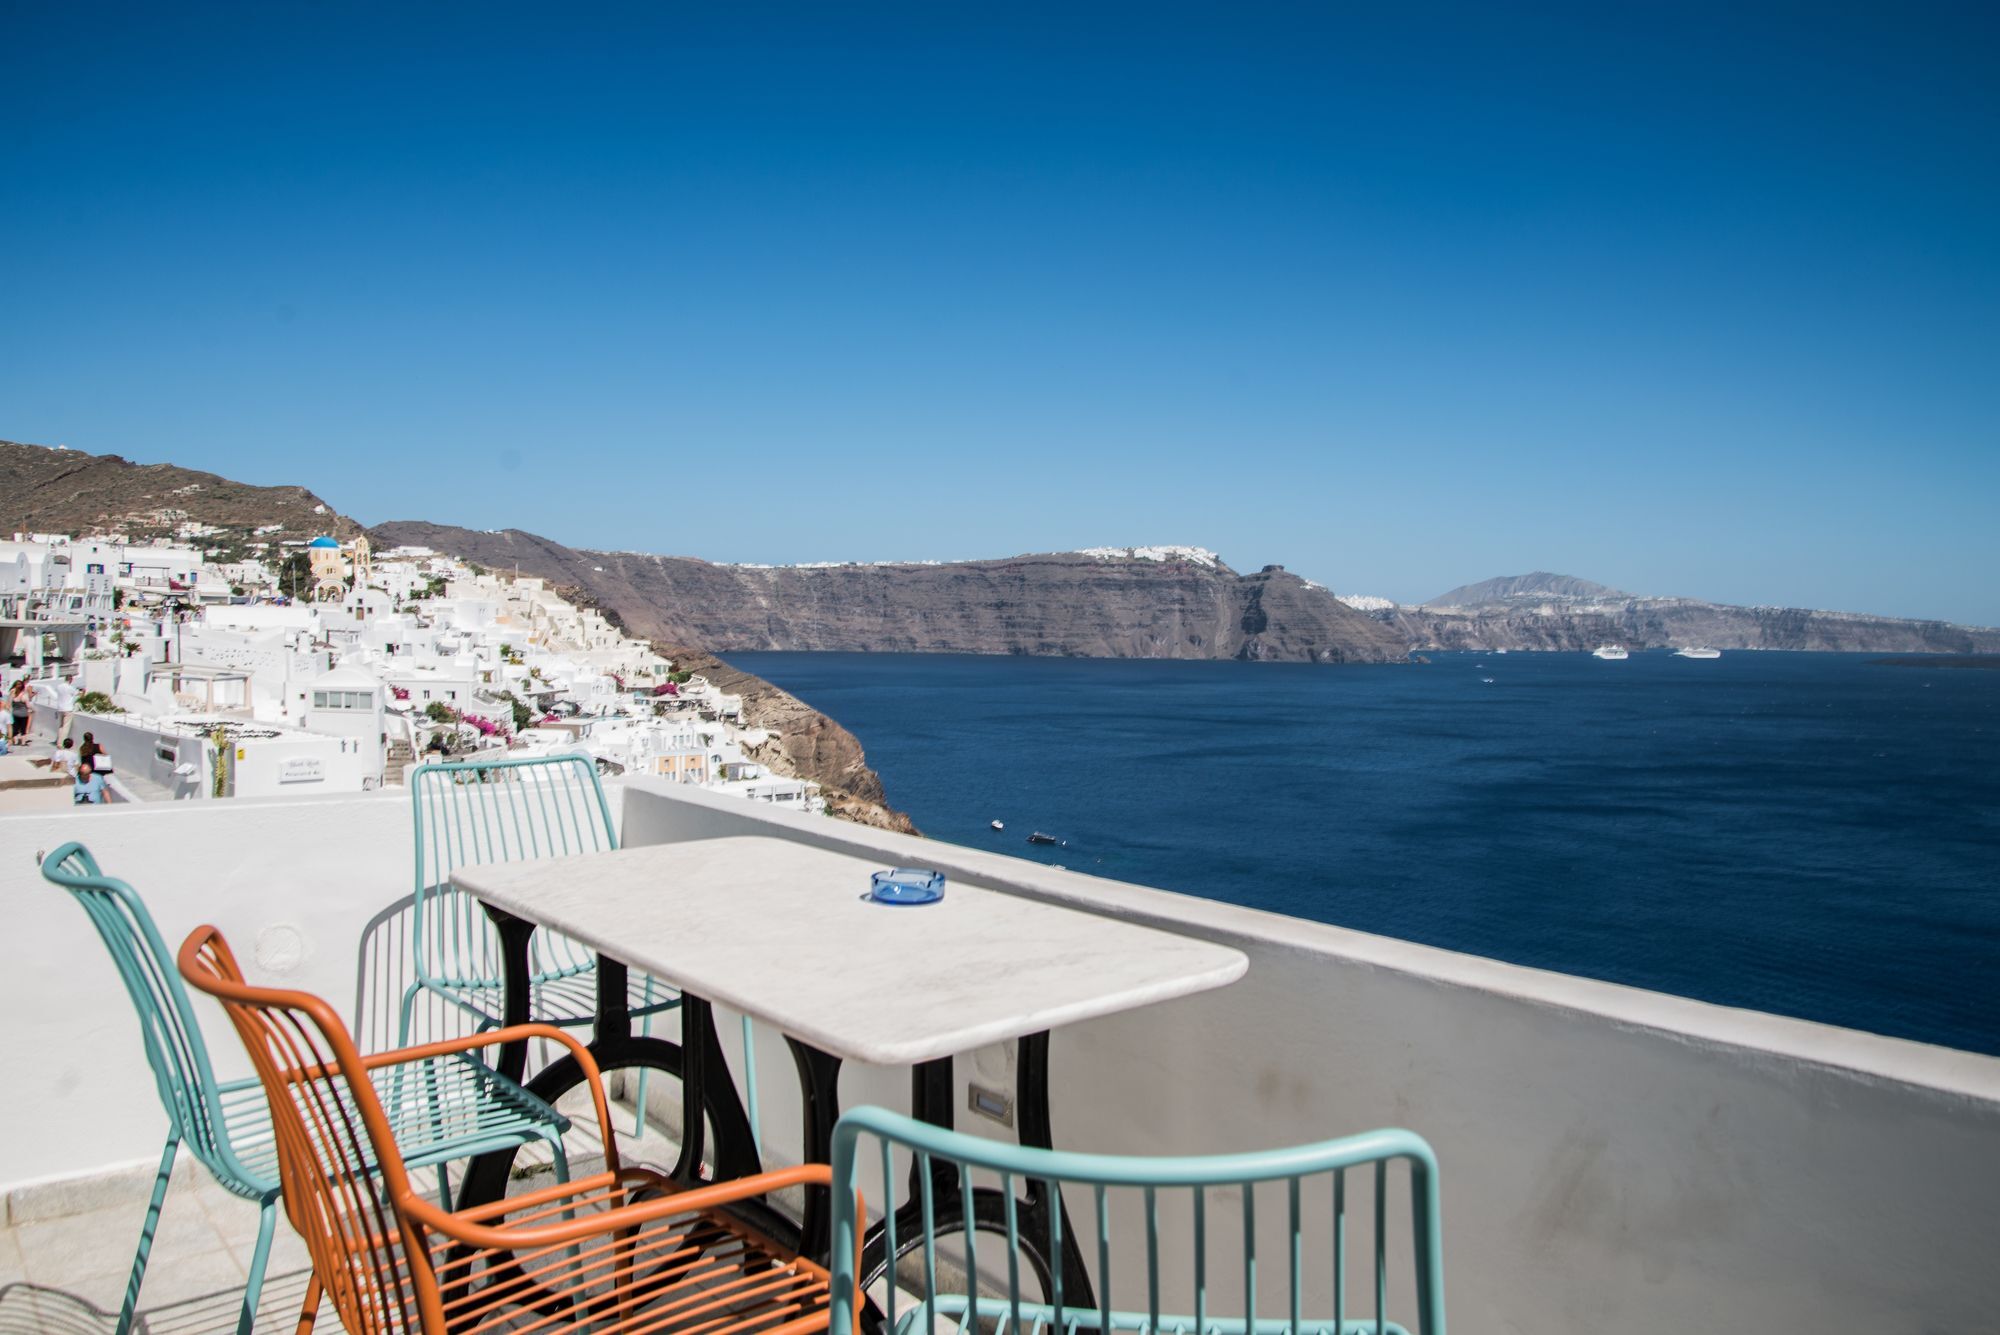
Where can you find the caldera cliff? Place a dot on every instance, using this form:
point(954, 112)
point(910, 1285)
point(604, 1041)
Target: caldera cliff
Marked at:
point(1068, 604)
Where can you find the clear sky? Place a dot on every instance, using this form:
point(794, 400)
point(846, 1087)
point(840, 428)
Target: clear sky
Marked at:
point(1683, 299)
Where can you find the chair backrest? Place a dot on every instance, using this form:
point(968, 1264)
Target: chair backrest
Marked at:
point(1288, 1194)
point(473, 812)
point(337, 1157)
point(174, 1047)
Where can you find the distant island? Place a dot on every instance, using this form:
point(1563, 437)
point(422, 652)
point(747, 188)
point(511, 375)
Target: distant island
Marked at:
point(1542, 610)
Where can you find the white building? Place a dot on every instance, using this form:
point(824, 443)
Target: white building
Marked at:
point(348, 702)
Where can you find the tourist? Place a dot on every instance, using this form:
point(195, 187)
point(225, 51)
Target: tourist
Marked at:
point(88, 751)
point(66, 759)
point(65, 706)
point(18, 709)
point(89, 788)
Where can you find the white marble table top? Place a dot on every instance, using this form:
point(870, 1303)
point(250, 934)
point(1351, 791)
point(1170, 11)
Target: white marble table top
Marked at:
point(782, 931)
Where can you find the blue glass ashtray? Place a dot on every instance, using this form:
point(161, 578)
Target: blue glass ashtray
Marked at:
point(906, 885)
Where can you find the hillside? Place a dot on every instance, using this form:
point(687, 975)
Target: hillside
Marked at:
point(45, 490)
point(807, 744)
point(1067, 604)
point(48, 490)
point(1560, 612)
point(1535, 587)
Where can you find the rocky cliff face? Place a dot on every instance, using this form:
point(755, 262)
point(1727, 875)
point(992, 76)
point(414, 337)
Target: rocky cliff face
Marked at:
point(809, 745)
point(1545, 611)
point(1061, 604)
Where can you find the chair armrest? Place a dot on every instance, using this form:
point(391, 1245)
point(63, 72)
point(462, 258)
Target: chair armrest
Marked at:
point(503, 1237)
point(518, 1033)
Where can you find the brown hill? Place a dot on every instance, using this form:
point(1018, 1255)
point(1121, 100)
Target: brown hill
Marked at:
point(53, 490)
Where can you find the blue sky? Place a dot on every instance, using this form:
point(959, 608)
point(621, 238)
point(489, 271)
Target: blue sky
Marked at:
point(1683, 299)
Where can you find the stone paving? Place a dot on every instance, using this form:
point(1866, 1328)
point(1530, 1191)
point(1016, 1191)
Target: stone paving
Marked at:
point(27, 786)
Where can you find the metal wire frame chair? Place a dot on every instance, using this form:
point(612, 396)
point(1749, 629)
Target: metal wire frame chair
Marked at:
point(624, 1249)
point(472, 812)
point(445, 1109)
point(1146, 1185)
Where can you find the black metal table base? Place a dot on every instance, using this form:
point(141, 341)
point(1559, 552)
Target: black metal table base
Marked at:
point(711, 1112)
point(931, 1100)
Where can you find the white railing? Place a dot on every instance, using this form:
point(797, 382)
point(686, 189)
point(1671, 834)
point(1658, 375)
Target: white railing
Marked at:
point(1612, 1159)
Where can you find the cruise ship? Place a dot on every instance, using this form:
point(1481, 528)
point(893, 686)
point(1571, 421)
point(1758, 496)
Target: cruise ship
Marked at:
point(1697, 651)
point(1610, 652)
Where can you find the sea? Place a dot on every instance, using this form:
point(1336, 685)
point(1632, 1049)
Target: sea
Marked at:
point(1816, 835)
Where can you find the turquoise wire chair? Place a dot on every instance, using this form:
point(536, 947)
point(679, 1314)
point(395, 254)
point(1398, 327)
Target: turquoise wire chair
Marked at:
point(1136, 1189)
point(443, 1109)
point(473, 812)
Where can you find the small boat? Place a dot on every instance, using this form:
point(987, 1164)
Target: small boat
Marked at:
point(1039, 838)
point(998, 826)
point(1610, 653)
point(1487, 680)
point(1698, 651)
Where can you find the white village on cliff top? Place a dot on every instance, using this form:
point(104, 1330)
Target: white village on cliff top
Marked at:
point(318, 666)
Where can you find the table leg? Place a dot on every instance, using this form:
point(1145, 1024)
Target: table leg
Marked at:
point(614, 1005)
point(1036, 1212)
point(515, 935)
point(707, 1104)
point(1031, 1112)
point(931, 1089)
point(819, 1083)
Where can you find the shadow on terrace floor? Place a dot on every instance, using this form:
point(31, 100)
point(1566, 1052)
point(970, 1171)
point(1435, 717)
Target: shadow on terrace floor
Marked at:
point(66, 1275)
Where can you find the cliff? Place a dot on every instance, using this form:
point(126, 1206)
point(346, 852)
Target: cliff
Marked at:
point(1064, 604)
point(808, 745)
point(1547, 611)
point(1669, 623)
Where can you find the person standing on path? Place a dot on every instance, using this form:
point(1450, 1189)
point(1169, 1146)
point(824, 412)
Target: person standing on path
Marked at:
point(18, 709)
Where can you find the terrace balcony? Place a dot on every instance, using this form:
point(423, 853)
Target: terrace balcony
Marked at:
point(1612, 1159)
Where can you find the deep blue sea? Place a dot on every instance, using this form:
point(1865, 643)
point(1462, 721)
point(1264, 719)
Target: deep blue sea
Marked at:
point(1812, 834)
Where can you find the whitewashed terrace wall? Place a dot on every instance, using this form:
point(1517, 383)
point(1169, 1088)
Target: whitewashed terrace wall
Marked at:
point(1613, 1160)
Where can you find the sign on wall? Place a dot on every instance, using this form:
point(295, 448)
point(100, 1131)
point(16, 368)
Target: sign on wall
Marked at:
point(301, 769)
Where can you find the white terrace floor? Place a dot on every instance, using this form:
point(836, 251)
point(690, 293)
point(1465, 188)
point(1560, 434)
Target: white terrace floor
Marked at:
point(66, 1253)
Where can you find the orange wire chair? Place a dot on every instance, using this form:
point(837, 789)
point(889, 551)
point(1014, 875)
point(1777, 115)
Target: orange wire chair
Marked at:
point(625, 1250)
